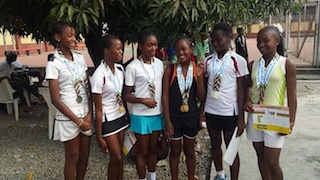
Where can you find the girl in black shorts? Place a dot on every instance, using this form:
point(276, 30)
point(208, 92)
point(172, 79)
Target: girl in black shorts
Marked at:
point(182, 86)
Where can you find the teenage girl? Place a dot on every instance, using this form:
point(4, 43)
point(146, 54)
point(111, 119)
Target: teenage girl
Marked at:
point(111, 121)
point(270, 76)
point(223, 108)
point(182, 85)
point(70, 94)
point(144, 75)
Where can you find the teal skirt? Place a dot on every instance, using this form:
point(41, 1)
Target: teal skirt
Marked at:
point(146, 124)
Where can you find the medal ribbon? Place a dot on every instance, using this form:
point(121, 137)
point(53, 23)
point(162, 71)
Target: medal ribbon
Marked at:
point(263, 75)
point(116, 83)
point(75, 72)
point(185, 84)
point(152, 85)
point(218, 74)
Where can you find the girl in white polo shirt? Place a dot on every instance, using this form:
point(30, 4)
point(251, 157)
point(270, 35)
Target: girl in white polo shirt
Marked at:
point(144, 76)
point(111, 120)
point(223, 108)
point(70, 93)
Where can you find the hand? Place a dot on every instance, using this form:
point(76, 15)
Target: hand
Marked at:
point(169, 131)
point(248, 107)
point(241, 125)
point(201, 120)
point(103, 145)
point(88, 117)
point(149, 102)
point(200, 69)
point(85, 126)
point(291, 127)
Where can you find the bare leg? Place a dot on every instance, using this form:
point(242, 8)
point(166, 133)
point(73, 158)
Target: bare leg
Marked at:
point(153, 149)
point(259, 147)
point(141, 156)
point(174, 158)
point(188, 149)
point(272, 160)
point(71, 157)
point(83, 157)
point(234, 169)
point(216, 152)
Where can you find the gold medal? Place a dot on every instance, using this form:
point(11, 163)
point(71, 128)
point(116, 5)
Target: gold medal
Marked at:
point(184, 108)
point(262, 103)
point(79, 99)
point(121, 109)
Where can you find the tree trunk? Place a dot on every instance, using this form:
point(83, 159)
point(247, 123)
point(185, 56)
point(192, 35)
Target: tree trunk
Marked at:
point(92, 43)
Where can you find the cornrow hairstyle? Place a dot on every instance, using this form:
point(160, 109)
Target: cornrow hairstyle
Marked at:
point(186, 39)
point(280, 47)
point(106, 41)
point(144, 35)
point(225, 27)
point(58, 27)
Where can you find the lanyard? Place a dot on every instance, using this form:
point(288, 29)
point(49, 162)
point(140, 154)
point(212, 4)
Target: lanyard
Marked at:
point(185, 84)
point(223, 65)
point(263, 75)
point(114, 79)
point(150, 80)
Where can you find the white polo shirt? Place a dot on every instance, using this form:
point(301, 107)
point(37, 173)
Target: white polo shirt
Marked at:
point(101, 83)
point(137, 77)
point(227, 104)
point(58, 69)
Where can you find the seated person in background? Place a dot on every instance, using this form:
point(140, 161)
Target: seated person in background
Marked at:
point(18, 79)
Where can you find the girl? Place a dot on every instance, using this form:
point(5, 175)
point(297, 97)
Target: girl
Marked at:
point(182, 85)
point(223, 107)
point(111, 122)
point(70, 93)
point(144, 75)
point(270, 75)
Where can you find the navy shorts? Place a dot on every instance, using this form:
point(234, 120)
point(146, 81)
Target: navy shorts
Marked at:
point(186, 125)
point(112, 127)
point(225, 123)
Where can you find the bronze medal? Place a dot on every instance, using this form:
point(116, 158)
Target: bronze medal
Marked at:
point(79, 99)
point(184, 108)
point(121, 109)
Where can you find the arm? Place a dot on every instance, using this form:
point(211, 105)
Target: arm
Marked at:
point(165, 103)
point(88, 117)
point(201, 92)
point(202, 116)
point(97, 98)
point(248, 103)
point(240, 99)
point(131, 98)
point(56, 101)
point(291, 91)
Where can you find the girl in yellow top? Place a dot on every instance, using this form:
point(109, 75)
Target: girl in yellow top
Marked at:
point(270, 76)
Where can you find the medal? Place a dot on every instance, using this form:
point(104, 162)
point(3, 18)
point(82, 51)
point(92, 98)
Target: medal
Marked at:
point(79, 99)
point(215, 94)
point(121, 109)
point(184, 108)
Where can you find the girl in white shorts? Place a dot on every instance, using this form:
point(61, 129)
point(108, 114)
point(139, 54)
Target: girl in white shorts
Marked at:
point(111, 120)
point(270, 76)
point(70, 93)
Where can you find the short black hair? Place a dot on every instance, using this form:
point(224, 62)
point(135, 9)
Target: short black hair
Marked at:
point(144, 35)
point(59, 26)
point(106, 41)
point(10, 55)
point(225, 27)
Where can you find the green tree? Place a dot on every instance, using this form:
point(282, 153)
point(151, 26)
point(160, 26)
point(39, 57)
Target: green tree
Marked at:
point(124, 18)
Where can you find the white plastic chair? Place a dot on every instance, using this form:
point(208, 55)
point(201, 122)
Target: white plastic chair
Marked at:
point(45, 92)
point(6, 97)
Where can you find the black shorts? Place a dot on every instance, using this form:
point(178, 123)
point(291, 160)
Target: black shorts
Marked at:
point(115, 126)
point(226, 123)
point(186, 125)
